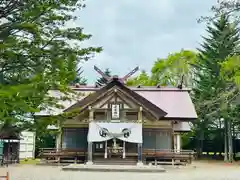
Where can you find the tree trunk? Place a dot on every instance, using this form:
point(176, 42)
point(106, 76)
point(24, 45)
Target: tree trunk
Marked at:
point(230, 146)
point(201, 143)
point(234, 142)
point(225, 141)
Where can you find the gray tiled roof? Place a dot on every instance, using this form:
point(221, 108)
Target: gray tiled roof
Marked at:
point(176, 102)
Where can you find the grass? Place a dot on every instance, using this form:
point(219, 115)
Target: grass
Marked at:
point(212, 153)
point(30, 161)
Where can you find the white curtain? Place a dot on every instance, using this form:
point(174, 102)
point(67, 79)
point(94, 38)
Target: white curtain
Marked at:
point(129, 132)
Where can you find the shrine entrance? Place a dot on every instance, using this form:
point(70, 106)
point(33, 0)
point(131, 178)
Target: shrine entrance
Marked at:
point(114, 141)
point(112, 148)
point(115, 149)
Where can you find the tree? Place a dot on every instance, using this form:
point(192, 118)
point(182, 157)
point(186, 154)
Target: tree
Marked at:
point(228, 7)
point(37, 53)
point(143, 80)
point(169, 71)
point(101, 81)
point(230, 70)
point(222, 42)
point(79, 78)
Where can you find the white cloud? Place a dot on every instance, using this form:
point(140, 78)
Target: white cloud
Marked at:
point(137, 32)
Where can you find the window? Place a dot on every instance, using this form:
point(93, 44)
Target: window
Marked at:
point(99, 145)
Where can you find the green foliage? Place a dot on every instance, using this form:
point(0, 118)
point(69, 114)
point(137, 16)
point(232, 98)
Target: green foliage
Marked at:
point(101, 81)
point(45, 138)
point(222, 42)
point(169, 71)
point(230, 70)
point(228, 7)
point(9, 131)
point(143, 79)
point(212, 93)
point(79, 78)
point(39, 52)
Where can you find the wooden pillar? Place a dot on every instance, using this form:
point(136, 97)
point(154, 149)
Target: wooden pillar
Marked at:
point(140, 120)
point(90, 144)
point(105, 154)
point(173, 136)
point(124, 149)
point(59, 140)
point(90, 147)
point(140, 161)
point(59, 143)
point(91, 114)
point(177, 142)
point(178, 139)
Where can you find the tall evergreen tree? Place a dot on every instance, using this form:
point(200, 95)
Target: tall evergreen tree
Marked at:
point(101, 81)
point(79, 79)
point(222, 41)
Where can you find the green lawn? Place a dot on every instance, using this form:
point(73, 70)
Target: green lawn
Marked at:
point(30, 161)
point(212, 153)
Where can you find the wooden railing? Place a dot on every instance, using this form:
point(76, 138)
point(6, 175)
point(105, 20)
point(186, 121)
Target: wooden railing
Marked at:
point(63, 155)
point(62, 152)
point(53, 154)
point(169, 154)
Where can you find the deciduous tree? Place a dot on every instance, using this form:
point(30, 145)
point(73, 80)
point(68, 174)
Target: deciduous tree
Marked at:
point(39, 50)
point(169, 71)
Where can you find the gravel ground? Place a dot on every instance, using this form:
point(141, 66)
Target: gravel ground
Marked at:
point(200, 171)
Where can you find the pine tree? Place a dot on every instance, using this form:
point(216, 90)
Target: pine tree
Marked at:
point(101, 81)
point(143, 79)
point(222, 41)
point(79, 78)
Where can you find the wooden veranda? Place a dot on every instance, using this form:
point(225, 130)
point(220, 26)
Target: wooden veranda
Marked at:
point(153, 156)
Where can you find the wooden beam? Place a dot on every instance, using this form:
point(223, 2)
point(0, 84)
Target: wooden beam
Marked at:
point(140, 117)
point(91, 114)
point(75, 125)
point(109, 109)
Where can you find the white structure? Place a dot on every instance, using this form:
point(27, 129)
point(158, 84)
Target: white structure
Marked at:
point(27, 145)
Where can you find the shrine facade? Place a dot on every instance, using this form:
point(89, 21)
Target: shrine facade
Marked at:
point(121, 122)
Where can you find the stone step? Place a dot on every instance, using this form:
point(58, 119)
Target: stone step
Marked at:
point(115, 161)
point(114, 168)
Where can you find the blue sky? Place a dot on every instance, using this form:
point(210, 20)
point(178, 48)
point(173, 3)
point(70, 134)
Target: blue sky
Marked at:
point(137, 32)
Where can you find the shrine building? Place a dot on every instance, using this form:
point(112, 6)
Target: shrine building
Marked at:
point(119, 122)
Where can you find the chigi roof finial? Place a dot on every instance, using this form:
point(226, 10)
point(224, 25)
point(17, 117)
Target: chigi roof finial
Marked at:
point(115, 77)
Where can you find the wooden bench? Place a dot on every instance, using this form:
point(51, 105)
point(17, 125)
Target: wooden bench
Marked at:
point(54, 155)
point(181, 157)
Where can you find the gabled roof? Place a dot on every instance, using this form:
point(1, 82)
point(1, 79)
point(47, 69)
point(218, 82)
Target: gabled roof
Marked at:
point(176, 102)
point(146, 104)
